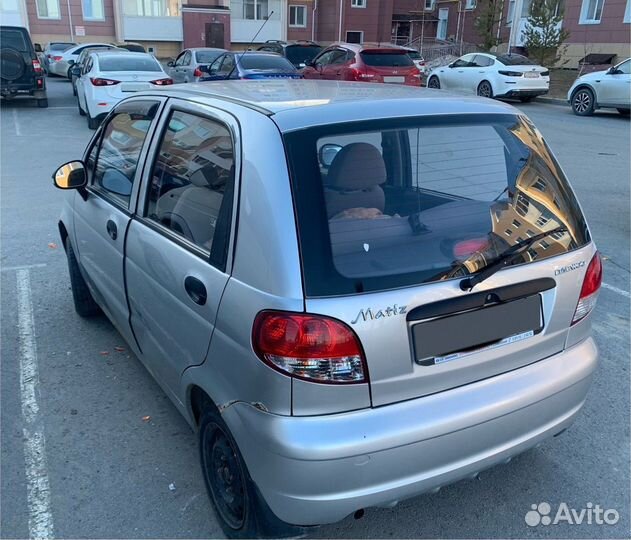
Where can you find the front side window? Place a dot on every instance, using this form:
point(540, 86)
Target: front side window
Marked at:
point(391, 203)
point(624, 68)
point(47, 9)
point(119, 150)
point(298, 16)
point(192, 183)
point(591, 11)
point(93, 10)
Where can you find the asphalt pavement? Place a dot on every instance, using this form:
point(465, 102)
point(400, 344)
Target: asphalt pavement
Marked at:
point(119, 461)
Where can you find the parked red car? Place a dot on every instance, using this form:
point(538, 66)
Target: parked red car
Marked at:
point(364, 62)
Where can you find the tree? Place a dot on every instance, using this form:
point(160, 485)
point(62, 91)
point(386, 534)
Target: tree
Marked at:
point(486, 22)
point(543, 34)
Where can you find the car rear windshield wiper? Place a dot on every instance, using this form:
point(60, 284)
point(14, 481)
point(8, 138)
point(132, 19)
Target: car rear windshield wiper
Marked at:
point(505, 258)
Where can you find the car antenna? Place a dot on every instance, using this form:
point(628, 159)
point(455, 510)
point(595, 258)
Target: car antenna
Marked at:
point(250, 44)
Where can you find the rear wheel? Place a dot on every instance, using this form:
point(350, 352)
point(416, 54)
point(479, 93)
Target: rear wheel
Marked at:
point(526, 99)
point(624, 112)
point(485, 89)
point(74, 89)
point(42, 103)
point(84, 303)
point(93, 123)
point(433, 82)
point(81, 111)
point(241, 510)
point(583, 102)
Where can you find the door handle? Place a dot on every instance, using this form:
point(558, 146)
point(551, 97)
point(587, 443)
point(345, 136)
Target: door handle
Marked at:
point(196, 290)
point(111, 229)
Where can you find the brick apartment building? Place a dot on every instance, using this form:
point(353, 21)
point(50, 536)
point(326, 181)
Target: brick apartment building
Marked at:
point(596, 26)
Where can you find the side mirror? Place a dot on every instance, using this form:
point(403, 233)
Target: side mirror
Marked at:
point(115, 181)
point(327, 154)
point(71, 175)
point(71, 62)
point(170, 63)
point(38, 47)
point(451, 65)
point(204, 68)
point(613, 71)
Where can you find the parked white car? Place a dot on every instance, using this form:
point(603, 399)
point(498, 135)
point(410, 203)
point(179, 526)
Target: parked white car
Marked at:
point(61, 62)
point(492, 75)
point(109, 76)
point(602, 89)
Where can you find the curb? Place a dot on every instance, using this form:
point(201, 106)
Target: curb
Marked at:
point(553, 101)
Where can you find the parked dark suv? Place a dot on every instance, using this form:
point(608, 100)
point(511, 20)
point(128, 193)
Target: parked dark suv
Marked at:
point(299, 53)
point(21, 72)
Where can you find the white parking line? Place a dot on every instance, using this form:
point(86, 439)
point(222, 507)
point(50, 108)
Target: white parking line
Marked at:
point(18, 131)
point(611, 288)
point(37, 485)
point(24, 267)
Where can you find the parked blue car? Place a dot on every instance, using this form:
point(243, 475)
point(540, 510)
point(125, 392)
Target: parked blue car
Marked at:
point(250, 65)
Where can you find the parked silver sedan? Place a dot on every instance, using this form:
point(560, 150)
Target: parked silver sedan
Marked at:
point(602, 89)
point(185, 68)
point(354, 293)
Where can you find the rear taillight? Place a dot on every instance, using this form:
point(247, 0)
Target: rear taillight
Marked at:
point(415, 73)
point(103, 82)
point(37, 67)
point(56, 58)
point(589, 291)
point(359, 75)
point(510, 73)
point(198, 73)
point(162, 82)
point(311, 347)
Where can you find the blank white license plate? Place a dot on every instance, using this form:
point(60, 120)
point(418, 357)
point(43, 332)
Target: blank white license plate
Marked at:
point(531, 75)
point(134, 87)
point(395, 80)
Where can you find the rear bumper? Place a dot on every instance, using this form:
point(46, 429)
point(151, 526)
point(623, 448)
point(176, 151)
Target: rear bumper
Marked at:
point(524, 93)
point(316, 470)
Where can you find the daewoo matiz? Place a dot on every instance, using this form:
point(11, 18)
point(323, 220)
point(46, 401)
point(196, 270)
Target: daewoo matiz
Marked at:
point(354, 293)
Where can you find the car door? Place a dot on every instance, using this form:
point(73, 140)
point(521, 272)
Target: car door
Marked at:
point(178, 247)
point(319, 64)
point(82, 81)
point(615, 88)
point(480, 69)
point(186, 70)
point(335, 66)
point(450, 76)
point(465, 73)
point(102, 216)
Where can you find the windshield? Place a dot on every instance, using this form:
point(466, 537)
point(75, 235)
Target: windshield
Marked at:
point(61, 46)
point(410, 201)
point(128, 63)
point(206, 57)
point(515, 60)
point(265, 61)
point(301, 54)
point(14, 39)
point(387, 59)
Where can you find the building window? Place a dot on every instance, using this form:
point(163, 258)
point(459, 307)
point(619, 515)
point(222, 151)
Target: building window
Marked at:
point(151, 8)
point(627, 13)
point(48, 9)
point(511, 13)
point(298, 16)
point(591, 11)
point(354, 37)
point(93, 10)
point(429, 5)
point(470, 4)
point(257, 10)
point(358, 3)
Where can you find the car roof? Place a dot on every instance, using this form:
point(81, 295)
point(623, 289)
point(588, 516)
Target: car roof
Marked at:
point(121, 53)
point(300, 103)
point(366, 46)
point(198, 49)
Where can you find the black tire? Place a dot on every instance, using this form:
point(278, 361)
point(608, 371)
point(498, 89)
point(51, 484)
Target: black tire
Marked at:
point(239, 507)
point(624, 112)
point(84, 303)
point(526, 99)
point(74, 88)
point(81, 111)
point(42, 103)
point(485, 89)
point(433, 82)
point(69, 74)
point(93, 123)
point(583, 103)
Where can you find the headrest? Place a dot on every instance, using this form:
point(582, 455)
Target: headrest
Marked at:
point(356, 166)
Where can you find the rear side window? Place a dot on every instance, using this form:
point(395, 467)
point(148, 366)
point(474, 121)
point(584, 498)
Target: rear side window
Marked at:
point(61, 46)
point(400, 202)
point(515, 60)
point(386, 59)
point(128, 63)
point(14, 39)
point(192, 183)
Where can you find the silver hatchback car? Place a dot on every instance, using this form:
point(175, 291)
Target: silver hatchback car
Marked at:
point(354, 293)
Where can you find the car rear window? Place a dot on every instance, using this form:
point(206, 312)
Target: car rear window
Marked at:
point(265, 61)
point(386, 58)
point(14, 39)
point(301, 54)
point(61, 46)
point(205, 57)
point(414, 55)
point(126, 63)
point(385, 204)
point(515, 60)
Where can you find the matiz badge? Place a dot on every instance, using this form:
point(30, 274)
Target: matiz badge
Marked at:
point(368, 314)
point(569, 268)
